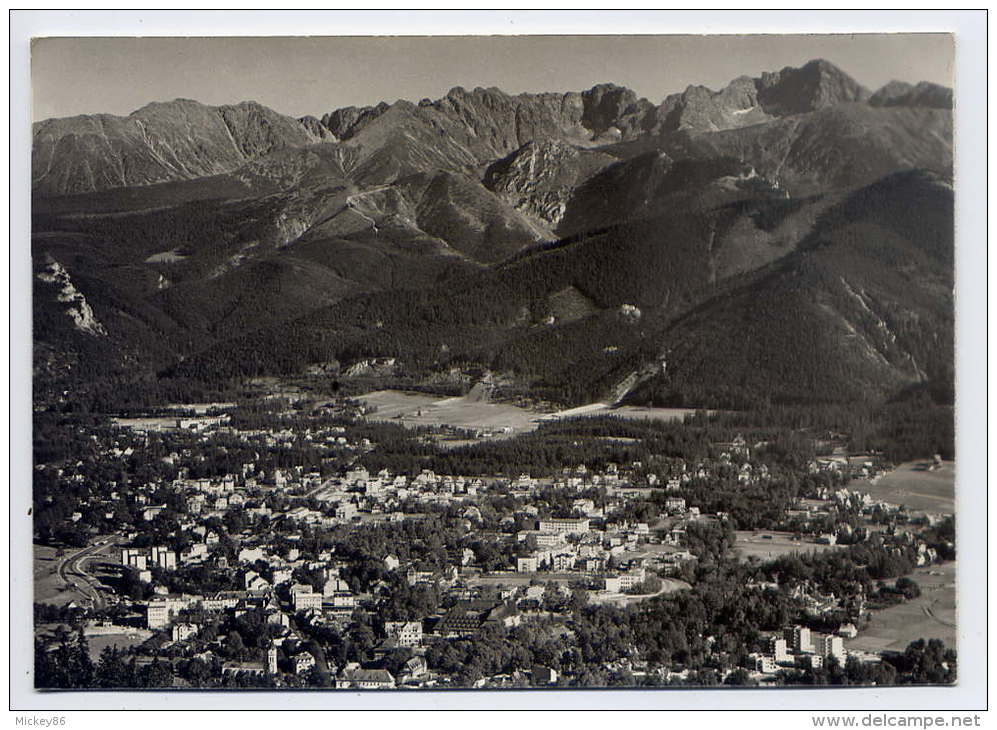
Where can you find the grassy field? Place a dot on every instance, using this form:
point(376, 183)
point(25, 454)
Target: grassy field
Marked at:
point(752, 543)
point(474, 411)
point(930, 616)
point(147, 423)
point(97, 644)
point(636, 413)
point(911, 484)
point(49, 587)
point(652, 414)
point(98, 641)
point(419, 409)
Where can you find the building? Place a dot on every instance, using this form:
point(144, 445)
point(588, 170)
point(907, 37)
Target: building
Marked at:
point(406, 633)
point(549, 539)
point(161, 609)
point(675, 504)
point(562, 562)
point(134, 558)
point(252, 668)
point(798, 637)
point(303, 662)
point(163, 558)
point(356, 678)
point(567, 526)
point(625, 581)
point(459, 622)
point(340, 599)
point(346, 511)
point(848, 631)
point(303, 601)
point(544, 675)
point(182, 632)
point(150, 513)
point(779, 649)
point(830, 646)
point(526, 565)
point(251, 555)
point(765, 664)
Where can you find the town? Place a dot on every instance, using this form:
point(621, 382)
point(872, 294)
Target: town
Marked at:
point(268, 544)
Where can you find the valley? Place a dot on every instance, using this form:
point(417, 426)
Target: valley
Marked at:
point(570, 388)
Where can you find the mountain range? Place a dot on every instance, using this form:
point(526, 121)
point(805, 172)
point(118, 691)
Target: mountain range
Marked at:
point(787, 238)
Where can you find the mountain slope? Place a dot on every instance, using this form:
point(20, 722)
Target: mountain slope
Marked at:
point(926, 94)
point(786, 237)
point(178, 140)
point(836, 148)
point(863, 308)
point(748, 101)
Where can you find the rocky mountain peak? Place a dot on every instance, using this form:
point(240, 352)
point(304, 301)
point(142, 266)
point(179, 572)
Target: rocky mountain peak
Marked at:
point(815, 85)
point(924, 94)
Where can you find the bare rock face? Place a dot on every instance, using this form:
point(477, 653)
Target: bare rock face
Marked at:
point(700, 109)
point(466, 129)
point(346, 121)
point(77, 307)
point(317, 129)
point(816, 85)
point(748, 101)
point(177, 140)
point(539, 178)
point(608, 106)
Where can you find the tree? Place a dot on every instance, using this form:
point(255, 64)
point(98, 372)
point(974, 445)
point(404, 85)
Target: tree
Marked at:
point(740, 678)
point(908, 588)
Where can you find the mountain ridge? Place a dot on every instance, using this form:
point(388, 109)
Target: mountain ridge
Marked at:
point(464, 129)
point(590, 244)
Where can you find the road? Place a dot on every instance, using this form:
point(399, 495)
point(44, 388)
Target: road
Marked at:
point(324, 485)
point(71, 570)
point(350, 206)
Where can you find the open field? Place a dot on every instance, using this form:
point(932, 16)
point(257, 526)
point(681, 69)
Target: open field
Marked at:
point(636, 413)
point(147, 423)
point(98, 639)
point(475, 411)
point(932, 615)
point(753, 543)
point(911, 484)
point(98, 643)
point(470, 411)
point(49, 586)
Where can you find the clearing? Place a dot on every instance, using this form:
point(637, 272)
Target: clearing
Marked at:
point(913, 485)
point(474, 411)
point(932, 615)
point(470, 411)
point(757, 543)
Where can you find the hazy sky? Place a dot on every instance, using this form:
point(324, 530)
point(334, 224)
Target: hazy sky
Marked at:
point(299, 76)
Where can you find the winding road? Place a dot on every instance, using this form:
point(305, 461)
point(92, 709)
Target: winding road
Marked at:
point(71, 570)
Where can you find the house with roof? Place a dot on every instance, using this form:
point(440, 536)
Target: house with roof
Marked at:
point(354, 677)
point(406, 633)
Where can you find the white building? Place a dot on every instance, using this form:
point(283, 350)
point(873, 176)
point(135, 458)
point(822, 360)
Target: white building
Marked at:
point(830, 646)
point(577, 526)
point(406, 633)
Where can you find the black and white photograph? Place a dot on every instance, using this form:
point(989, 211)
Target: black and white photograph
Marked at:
point(521, 362)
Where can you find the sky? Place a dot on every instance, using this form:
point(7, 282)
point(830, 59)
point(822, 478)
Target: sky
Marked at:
point(315, 75)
